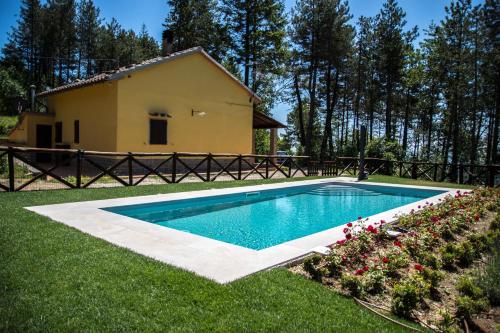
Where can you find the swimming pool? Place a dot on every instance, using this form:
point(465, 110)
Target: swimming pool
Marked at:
point(261, 219)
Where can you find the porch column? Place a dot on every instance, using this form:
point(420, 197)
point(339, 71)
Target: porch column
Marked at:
point(272, 142)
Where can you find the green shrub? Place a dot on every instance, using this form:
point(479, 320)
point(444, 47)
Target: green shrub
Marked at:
point(430, 260)
point(466, 254)
point(467, 287)
point(374, 281)
point(310, 266)
point(432, 277)
point(466, 306)
point(397, 259)
point(407, 295)
point(352, 284)
point(448, 261)
point(334, 265)
point(478, 241)
point(447, 323)
point(446, 232)
point(489, 279)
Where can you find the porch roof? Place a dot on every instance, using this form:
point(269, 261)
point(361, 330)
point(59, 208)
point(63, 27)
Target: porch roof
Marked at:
point(261, 120)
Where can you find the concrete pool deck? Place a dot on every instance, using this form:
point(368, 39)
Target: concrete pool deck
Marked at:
point(210, 258)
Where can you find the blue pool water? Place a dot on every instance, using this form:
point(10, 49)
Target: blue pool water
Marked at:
point(258, 220)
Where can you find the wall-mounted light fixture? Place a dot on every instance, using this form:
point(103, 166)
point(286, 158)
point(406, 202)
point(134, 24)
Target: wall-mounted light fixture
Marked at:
point(198, 113)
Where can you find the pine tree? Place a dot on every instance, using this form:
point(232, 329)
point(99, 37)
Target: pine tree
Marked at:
point(196, 23)
point(88, 24)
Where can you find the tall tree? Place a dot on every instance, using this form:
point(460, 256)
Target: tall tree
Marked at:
point(257, 43)
point(390, 25)
point(196, 23)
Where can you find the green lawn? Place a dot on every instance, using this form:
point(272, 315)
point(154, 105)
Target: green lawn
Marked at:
point(408, 181)
point(55, 278)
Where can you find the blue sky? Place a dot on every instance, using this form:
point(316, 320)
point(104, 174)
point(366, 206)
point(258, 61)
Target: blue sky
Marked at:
point(133, 13)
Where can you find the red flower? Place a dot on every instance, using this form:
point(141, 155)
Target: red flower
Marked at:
point(382, 222)
point(346, 230)
point(385, 260)
point(359, 272)
point(419, 267)
point(398, 243)
point(349, 224)
point(476, 217)
point(348, 236)
point(341, 242)
point(366, 268)
point(370, 228)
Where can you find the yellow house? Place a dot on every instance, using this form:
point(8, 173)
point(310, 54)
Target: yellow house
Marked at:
point(183, 102)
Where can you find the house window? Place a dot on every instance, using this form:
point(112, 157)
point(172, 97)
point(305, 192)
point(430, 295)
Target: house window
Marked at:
point(157, 132)
point(58, 135)
point(77, 131)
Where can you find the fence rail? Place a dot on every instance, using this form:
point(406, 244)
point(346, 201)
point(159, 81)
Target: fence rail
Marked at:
point(37, 169)
point(473, 174)
point(42, 169)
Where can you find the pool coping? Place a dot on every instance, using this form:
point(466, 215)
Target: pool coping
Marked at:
point(216, 260)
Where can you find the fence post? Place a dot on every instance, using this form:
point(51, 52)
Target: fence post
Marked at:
point(79, 168)
point(10, 160)
point(239, 166)
point(414, 170)
point(290, 167)
point(209, 162)
point(174, 167)
point(267, 167)
point(130, 173)
point(460, 173)
point(491, 175)
point(434, 178)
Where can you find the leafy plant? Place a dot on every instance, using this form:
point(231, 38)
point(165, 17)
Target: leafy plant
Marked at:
point(433, 277)
point(489, 279)
point(334, 265)
point(466, 306)
point(374, 281)
point(447, 323)
point(467, 287)
point(466, 254)
point(352, 284)
point(407, 295)
point(310, 266)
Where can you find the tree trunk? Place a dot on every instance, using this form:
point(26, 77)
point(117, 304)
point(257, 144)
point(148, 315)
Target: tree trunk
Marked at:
point(300, 110)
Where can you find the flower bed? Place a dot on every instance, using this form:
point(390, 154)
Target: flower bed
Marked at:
point(429, 273)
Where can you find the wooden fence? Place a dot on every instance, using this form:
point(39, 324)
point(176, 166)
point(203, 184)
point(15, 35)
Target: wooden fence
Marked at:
point(38, 169)
point(42, 169)
point(473, 174)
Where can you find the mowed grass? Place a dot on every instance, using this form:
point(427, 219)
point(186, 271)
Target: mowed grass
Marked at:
point(55, 278)
point(408, 181)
